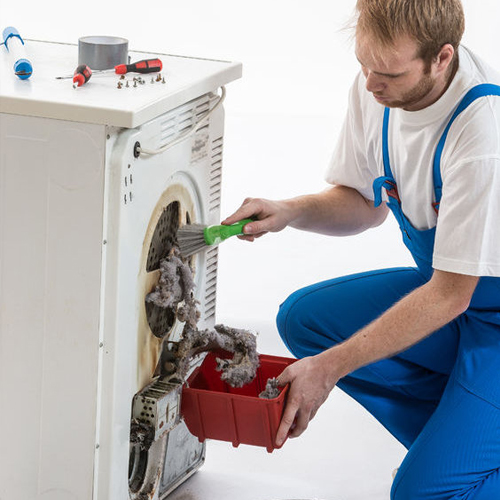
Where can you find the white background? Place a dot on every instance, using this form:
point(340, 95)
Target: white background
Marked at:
point(282, 119)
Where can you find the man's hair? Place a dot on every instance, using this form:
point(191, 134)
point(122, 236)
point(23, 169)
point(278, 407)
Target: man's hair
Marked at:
point(431, 23)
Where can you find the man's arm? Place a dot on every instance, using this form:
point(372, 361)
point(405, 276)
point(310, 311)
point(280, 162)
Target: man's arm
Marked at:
point(337, 211)
point(420, 313)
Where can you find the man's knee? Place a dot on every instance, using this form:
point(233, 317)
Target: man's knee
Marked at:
point(404, 484)
point(289, 325)
point(419, 483)
point(304, 325)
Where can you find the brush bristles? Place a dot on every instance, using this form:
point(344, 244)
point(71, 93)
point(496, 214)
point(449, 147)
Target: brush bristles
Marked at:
point(191, 239)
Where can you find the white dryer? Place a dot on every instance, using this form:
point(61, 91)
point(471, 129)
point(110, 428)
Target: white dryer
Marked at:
point(85, 218)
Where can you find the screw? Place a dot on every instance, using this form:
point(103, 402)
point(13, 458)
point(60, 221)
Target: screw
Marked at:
point(127, 85)
point(122, 77)
point(120, 85)
point(163, 80)
point(135, 82)
point(152, 80)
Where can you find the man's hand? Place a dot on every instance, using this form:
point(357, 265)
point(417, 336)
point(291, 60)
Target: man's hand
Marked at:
point(311, 381)
point(270, 216)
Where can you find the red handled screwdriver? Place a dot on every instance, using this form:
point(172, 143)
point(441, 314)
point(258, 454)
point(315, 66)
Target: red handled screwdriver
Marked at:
point(144, 66)
point(83, 73)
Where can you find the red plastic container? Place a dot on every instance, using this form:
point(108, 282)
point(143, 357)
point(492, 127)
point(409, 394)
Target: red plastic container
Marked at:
point(213, 409)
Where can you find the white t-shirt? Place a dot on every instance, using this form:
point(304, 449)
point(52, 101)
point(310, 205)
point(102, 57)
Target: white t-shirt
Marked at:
point(468, 226)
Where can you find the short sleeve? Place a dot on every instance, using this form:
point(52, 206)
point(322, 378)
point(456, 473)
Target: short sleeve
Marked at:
point(468, 226)
point(350, 164)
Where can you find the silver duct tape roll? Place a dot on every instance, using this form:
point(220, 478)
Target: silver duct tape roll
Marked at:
point(102, 52)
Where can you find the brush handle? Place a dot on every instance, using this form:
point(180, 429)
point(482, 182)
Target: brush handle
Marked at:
point(215, 234)
point(234, 229)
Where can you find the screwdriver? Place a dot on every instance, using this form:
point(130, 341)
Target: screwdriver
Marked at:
point(83, 72)
point(82, 75)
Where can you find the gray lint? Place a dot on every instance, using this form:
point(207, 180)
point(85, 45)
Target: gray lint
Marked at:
point(142, 434)
point(272, 389)
point(175, 291)
point(237, 371)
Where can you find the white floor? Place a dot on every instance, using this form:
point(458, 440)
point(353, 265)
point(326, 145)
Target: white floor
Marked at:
point(344, 455)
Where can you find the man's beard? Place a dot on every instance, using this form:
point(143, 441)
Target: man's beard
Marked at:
point(414, 95)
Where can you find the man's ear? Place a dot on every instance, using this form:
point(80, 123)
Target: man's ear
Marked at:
point(444, 58)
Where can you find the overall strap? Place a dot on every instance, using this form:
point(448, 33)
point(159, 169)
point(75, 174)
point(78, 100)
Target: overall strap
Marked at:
point(387, 181)
point(482, 90)
point(385, 144)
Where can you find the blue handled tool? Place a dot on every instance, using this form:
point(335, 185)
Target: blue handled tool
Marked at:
point(15, 46)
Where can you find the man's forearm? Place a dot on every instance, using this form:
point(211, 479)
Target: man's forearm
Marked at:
point(421, 312)
point(409, 321)
point(337, 211)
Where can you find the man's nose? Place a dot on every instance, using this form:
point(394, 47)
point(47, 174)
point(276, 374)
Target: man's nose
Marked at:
point(373, 82)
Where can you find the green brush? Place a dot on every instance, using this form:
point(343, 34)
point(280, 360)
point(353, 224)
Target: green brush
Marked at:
point(195, 237)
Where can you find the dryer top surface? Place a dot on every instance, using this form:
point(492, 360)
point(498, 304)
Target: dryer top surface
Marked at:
point(100, 101)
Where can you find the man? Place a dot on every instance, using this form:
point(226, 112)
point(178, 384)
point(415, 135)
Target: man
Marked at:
point(418, 347)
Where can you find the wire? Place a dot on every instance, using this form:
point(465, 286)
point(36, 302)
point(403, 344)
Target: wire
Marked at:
point(188, 133)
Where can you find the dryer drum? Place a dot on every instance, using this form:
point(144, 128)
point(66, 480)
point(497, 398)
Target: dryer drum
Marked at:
point(162, 320)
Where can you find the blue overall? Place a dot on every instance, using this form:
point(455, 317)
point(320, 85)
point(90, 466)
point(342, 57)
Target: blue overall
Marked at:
point(441, 397)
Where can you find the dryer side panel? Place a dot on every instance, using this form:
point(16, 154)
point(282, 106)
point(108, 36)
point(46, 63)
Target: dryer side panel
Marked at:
point(51, 202)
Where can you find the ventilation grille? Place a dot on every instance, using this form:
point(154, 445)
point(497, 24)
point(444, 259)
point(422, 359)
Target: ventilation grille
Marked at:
point(215, 175)
point(180, 120)
point(211, 282)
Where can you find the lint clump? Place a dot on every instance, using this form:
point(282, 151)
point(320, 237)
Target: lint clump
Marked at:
point(175, 291)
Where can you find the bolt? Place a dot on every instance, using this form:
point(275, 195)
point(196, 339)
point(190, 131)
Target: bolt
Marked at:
point(163, 80)
point(135, 82)
point(127, 85)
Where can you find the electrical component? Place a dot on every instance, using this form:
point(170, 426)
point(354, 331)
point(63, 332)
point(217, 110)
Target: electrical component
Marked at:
point(158, 405)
